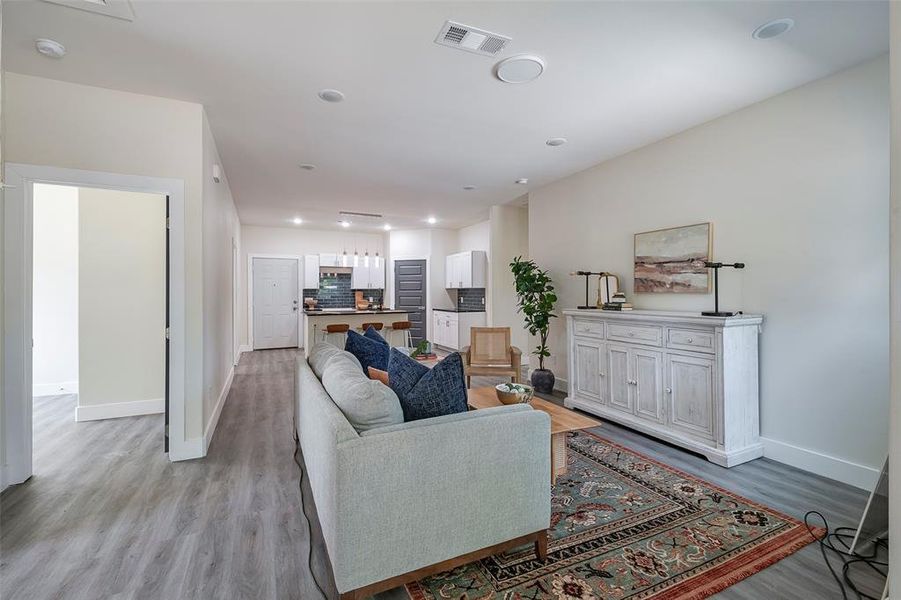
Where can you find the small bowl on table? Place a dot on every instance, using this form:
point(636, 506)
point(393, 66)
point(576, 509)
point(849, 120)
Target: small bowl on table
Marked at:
point(514, 393)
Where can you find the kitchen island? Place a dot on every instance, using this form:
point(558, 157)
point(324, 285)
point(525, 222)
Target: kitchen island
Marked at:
point(314, 321)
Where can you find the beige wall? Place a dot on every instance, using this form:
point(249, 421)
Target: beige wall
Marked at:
point(509, 239)
point(82, 127)
point(797, 187)
point(122, 297)
point(296, 241)
point(221, 228)
point(55, 290)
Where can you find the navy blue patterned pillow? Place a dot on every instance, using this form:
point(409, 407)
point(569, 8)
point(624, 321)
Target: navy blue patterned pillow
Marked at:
point(425, 393)
point(374, 335)
point(369, 352)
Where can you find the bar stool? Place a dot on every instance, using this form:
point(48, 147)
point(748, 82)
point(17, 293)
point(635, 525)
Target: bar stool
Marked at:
point(404, 328)
point(376, 326)
point(336, 329)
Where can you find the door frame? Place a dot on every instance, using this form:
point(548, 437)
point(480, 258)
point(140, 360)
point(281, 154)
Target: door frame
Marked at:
point(17, 318)
point(299, 262)
point(428, 287)
point(236, 297)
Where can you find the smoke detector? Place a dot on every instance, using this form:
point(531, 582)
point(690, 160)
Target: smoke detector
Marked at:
point(471, 39)
point(50, 48)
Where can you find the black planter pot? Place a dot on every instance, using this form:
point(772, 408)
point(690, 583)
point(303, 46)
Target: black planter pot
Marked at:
point(543, 381)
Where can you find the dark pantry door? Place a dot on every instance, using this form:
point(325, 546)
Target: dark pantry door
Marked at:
point(410, 294)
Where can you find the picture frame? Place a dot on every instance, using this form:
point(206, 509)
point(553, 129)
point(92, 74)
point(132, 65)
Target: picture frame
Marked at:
point(669, 260)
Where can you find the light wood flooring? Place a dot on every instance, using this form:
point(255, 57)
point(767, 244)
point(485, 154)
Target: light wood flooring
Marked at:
point(106, 515)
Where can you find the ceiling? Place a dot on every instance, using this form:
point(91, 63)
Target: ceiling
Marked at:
point(420, 121)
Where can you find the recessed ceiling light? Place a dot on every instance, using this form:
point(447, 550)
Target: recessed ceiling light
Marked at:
point(297, 220)
point(50, 48)
point(519, 69)
point(344, 224)
point(306, 166)
point(522, 180)
point(773, 29)
point(431, 220)
point(469, 188)
point(386, 227)
point(555, 141)
point(331, 95)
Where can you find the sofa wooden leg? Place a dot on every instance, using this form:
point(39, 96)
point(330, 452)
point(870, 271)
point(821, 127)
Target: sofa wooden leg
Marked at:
point(541, 546)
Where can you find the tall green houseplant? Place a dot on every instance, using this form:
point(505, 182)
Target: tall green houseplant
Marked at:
point(536, 299)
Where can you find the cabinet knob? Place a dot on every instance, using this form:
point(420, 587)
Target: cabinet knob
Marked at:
point(631, 334)
point(689, 340)
point(602, 374)
point(669, 390)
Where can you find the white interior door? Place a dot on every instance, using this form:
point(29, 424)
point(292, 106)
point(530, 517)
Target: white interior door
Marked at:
point(275, 303)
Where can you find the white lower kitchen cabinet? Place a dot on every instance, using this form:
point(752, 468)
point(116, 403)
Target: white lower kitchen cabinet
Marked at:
point(450, 329)
point(684, 378)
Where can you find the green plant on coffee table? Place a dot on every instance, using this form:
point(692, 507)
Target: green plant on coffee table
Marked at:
point(536, 299)
point(421, 348)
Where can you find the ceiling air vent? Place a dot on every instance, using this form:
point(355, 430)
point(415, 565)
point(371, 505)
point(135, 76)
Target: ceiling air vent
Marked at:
point(471, 39)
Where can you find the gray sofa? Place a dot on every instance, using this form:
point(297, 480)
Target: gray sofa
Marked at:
point(399, 502)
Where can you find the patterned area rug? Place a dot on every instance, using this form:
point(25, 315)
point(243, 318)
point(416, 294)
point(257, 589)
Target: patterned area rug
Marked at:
point(626, 526)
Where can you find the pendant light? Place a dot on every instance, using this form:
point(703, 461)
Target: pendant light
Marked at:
point(356, 254)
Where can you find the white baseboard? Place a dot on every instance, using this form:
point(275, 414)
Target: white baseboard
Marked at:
point(193, 449)
point(860, 476)
point(54, 389)
point(561, 385)
point(120, 409)
point(217, 410)
point(244, 348)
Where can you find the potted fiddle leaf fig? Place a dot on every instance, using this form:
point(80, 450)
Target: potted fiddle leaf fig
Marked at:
point(536, 299)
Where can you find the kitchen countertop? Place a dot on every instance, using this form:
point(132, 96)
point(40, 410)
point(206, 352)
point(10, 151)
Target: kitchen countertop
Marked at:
point(331, 312)
point(460, 310)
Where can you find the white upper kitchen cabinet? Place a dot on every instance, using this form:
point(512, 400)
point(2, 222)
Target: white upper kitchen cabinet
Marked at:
point(466, 270)
point(368, 278)
point(311, 272)
point(329, 260)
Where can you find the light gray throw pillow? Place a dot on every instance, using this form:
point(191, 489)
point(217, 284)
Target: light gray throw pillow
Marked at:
point(366, 403)
point(320, 355)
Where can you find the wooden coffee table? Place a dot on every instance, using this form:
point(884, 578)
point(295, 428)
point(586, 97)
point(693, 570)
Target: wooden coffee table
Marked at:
point(562, 421)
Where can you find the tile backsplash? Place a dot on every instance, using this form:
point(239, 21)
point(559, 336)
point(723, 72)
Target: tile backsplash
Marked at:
point(471, 299)
point(335, 292)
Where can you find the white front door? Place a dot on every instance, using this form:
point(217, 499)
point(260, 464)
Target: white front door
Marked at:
point(275, 303)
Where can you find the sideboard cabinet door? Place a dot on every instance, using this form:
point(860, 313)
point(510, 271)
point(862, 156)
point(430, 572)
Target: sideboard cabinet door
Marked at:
point(648, 384)
point(620, 378)
point(589, 364)
point(691, 386)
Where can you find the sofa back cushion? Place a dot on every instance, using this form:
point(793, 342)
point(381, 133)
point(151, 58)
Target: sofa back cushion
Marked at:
point(367, 404)
point(425, 393)
point(320, 355)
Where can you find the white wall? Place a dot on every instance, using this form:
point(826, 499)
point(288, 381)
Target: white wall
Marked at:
point(221, 229)
point(895, 219)
point(67, 125)
point(797, 187)
point(509, 239)
point(297, 241)
point(122, 303)
point(55, 290)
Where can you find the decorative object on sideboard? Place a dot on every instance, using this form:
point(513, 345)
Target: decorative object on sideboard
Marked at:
point(310, 303)
point(602, 288)
point(716, 266)
point(666, 260)
point(617, 302)
point(605, 290)
point(535, 300)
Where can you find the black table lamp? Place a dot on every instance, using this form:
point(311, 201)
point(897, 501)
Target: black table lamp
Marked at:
point(587, 275)
point(716, 266)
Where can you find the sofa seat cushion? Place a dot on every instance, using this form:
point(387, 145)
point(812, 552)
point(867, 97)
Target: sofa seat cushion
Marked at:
point(367, 404)
point(425, 393)
point(323, 352)
point(369, 352)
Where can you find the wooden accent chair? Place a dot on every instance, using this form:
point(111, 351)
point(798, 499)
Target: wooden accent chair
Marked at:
point(490, 353)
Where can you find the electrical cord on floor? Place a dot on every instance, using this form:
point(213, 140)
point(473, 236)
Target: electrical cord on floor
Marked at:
point(309, 522)
point(838, 542)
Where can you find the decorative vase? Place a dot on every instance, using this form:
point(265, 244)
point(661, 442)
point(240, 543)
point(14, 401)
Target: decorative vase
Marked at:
point(543, 381)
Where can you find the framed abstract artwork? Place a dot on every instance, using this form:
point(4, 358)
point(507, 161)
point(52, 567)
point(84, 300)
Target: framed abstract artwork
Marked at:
point(672, 260)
